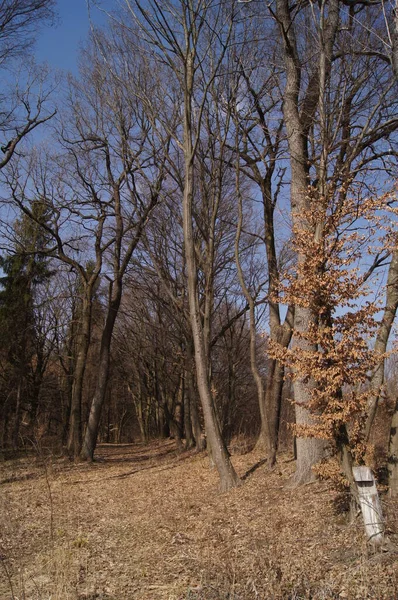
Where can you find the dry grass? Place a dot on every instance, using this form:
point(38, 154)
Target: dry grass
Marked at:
point(143, 523)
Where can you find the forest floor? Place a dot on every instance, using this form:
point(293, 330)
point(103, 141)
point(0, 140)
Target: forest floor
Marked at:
point(145, 523)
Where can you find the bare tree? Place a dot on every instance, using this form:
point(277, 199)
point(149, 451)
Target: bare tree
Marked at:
point(77, 223)
point(192, 39)
point(24, 102)
point(165, 247)
point(134, 170)
point(260, 145)
point(19, 22)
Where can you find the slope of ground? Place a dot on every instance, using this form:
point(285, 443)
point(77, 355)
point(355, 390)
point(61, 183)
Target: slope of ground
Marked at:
point(144, 523)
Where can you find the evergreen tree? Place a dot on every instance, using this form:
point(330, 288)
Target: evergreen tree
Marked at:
point(21, 341)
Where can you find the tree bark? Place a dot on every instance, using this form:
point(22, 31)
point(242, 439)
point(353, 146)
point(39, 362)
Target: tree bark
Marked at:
point(4, 425)
point(381, 343)
point(227, 474)
point(394, 38)
point(264, 441)
point(273, 403)
point(200, 440)
point(270, 400)
point(138, 405)
point(393, 454)
point(388, 319)
point(309, 450)
point(189, 437)
point(17, 416)
point(65, 403)
point(75, 420)
point(91, 435)
point(378, 376)
point(178, 417)
point(278, 331)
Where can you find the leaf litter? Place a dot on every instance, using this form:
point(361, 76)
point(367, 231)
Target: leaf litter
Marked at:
point(147, 523)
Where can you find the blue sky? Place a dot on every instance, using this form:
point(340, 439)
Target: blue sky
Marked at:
point(59, 45)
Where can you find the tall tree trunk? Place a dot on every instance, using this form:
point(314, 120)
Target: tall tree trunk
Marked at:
point(309, 450)
point(269, 400)
point(165, 406)
point(227, 474)
point(282, 334)
point(264, 437)
point(377, 380)
point(381, 343)
point(264, 440)
point(278, 332)
point(229, 409)
point(120, 430)
point(91, 435)
point(75, 421)
point(388, 318)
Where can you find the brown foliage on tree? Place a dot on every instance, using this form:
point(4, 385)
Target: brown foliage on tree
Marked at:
point(337, 359)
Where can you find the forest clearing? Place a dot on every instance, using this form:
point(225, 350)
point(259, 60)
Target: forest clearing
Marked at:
point(145, 523)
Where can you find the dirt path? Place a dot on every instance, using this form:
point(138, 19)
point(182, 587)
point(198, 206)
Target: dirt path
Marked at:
point(143, 523)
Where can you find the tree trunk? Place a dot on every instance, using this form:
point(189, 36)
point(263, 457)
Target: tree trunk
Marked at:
point(120, 431)
point(66, 397)
point(227, 474)
point(138, 405)
point(278, 332)
point(173, 416)
point(381, 343)
point(75, 421)
point(273, 403)
point(34, 401)
point(392, 301)
point(347, 463)
point(4, 422)
point(310, 451)
point(178, 417)
point(200, 440)
point(17, 417)
point(189, 437)
point(383, 334)
point(394, 38)
point(393, 454)
point(282, 334)
point(377, 380)
point(298, 125)
point(90, 438)
point(38, 377)
point(263, 442)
